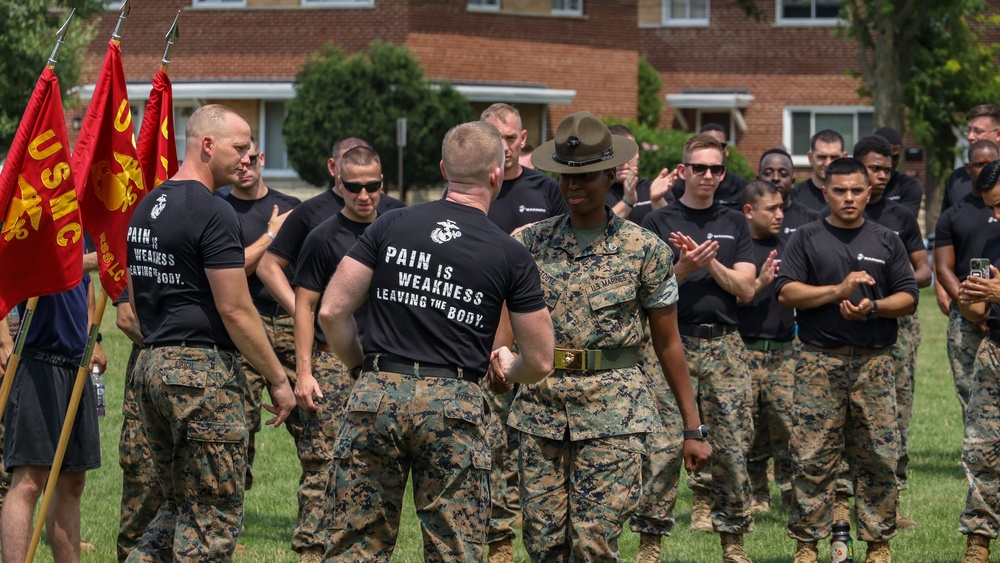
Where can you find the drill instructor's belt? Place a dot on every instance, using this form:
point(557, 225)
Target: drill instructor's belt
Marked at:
point(593, 360)
point(767, 345)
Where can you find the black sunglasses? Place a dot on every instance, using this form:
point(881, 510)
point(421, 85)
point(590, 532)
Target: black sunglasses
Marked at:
point(253, 158)
point(700, 169)
point(355, 187)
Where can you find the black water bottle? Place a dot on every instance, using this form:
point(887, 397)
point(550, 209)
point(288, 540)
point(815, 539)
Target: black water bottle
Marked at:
point(841, 546)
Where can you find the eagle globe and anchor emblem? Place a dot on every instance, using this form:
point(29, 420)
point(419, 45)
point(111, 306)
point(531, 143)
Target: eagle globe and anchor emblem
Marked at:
point(446, 232)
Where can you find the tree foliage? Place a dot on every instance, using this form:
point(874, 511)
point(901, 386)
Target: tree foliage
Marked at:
point(650, 103)
point(363, 95)
point(26, 42)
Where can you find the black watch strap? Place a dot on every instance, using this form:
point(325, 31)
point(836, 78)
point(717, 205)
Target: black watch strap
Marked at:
point(700, 433)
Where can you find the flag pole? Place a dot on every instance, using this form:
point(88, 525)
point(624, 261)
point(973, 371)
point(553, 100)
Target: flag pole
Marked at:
point(171, 37)
point(67, 429)
point(29, 313)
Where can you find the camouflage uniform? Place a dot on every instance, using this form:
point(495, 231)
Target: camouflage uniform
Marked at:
point(849, 400)
point(394, 423)
point(772, 374)
point(582, 432)
point(979, 449)
point(721, 379)
point(314, 432)
point(904, 356)
point(506, 502)
point(141, 494)
point(193, 412)
point(964, 338)
point(661, 468)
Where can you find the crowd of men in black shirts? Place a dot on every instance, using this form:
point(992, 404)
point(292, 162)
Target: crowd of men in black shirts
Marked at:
point(812, 336)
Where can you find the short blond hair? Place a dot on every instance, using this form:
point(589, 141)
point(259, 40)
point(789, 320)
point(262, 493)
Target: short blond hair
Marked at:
point(502, 113)
point(209, 120)
point(699, 142)
point(471, 151)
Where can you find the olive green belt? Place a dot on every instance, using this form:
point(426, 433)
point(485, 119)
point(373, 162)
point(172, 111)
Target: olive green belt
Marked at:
point(768, 345)
point(593, 360)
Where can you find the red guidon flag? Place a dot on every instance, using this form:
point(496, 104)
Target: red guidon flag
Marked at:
point(106, 171)
point(41, 241)
point(156, 145)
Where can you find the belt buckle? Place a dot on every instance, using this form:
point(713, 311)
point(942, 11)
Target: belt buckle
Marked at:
point(570, 359)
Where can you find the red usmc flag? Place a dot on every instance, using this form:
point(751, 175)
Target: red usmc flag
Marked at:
point(41, 241)
point(156, 145)
point(107, 173)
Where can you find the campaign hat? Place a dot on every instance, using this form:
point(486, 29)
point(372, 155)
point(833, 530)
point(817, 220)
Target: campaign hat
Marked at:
point(583, 143)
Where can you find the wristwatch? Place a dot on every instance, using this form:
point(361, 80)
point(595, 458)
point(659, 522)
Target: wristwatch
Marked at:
point(874, 312)
point(700, 433)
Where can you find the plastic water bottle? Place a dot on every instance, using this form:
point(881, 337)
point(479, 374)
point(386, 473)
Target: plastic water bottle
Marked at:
point(99, 387)
point(841, 546)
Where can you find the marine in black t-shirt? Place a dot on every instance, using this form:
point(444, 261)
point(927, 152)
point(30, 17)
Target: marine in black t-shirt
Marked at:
point(956, 187)
point(963, 230)
point(763, 318)
point(529, 198)
point(702, 299)
point(729, 194)
point(442, 270)
point(177, 231)
point(776, 167)
point(820, 254)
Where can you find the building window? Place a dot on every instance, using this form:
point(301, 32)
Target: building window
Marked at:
point(685, 12)
point(801, 123)
point(218, 3)
point(485, 5)
point(273, 137)
point(808, 11)
point(567, 7)
point(340, 3)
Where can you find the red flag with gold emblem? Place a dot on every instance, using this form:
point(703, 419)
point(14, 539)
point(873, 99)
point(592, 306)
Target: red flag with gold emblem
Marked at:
point(41, 241)
point(156, 145)
point(106, 171)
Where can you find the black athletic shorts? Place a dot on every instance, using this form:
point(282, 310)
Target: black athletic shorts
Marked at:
point(36, 411)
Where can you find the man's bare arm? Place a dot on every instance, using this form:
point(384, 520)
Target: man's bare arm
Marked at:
point(306, 386)
point(738, 280)
point(336, 313)
point(271, 271)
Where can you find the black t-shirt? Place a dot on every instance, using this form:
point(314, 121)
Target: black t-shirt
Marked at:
point(529, 198)
point(966, 227)
point(177, 232)
point(991, 250)
point(897, 219)
point(763, 318)
point(442, 272)
point(797, 215)
point(956, 187)
point(729, 192)
point(322, 252)
point(809, 194)
point(643, 205)
point(253, 216)
point(820, 254)
point(904, 190)
point(311, 213)
point(702, 300)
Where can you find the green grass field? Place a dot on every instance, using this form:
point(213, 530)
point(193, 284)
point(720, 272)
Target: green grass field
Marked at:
point(935, 499)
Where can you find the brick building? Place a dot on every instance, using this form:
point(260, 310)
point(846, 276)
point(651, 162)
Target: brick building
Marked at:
point(771, 82)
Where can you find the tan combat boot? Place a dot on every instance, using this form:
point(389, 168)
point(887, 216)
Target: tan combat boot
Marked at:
point(311, 556)
point(842, 508)
point(732, 548)
point(501, 551)
point(806, 552)
point(701, 513)
point(978, 550)
point(878, 552)
point(649, 548)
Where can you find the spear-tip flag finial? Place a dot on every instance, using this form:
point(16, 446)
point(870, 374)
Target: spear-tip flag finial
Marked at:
point(60, 37)
point(122, 14)
point(171, 37)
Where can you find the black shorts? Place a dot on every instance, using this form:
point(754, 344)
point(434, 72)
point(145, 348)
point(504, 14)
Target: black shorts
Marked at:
point(36, 411)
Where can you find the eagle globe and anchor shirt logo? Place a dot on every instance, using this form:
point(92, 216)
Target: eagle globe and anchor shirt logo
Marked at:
point(147, 261)
point(423, 282)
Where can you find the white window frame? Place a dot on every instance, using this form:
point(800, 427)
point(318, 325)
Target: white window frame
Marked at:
point(562, 11)
point(218, 4)
point(338, 3)
point(483, 6)
point(684, 22)
point(803, 22)
point(268, 170)
point(802, 159)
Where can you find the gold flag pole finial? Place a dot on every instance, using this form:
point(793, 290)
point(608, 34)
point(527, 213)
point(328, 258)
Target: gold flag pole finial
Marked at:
point(122, 14)
point(171, 36)
point(60, 37)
